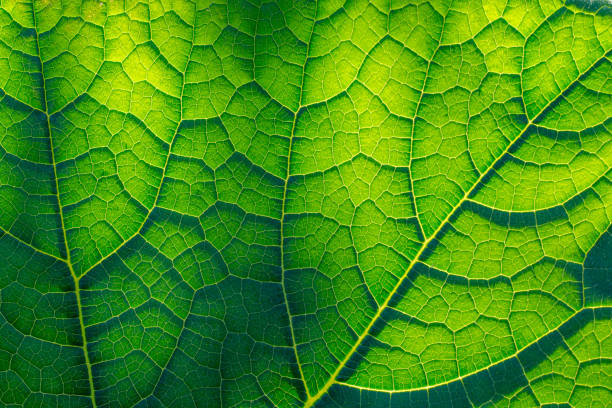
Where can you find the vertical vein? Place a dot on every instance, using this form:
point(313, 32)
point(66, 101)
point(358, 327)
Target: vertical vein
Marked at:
point(68, 261)
point(414, 119)
point(284, 204)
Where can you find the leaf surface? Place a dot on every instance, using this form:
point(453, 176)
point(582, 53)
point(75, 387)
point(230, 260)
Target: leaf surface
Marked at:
point(305, 203)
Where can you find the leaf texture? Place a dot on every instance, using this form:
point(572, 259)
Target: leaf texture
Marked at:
point(305, 203)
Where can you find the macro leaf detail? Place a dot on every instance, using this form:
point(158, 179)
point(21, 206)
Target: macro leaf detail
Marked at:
point(305, 203)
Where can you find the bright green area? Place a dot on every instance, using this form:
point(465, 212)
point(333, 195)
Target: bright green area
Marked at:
point(305, 203)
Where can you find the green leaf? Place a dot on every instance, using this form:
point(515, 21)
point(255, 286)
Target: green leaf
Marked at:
point(309, 203)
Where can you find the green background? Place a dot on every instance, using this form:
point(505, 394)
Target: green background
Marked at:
point(305, 203)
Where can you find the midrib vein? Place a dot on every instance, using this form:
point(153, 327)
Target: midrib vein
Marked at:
point(68, 261)
point(332, 379)
point(284, 202)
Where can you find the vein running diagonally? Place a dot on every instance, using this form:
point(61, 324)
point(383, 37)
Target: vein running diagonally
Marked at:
point(163, 176)
point(517, 353)
point(332, 379)
point(4, 231)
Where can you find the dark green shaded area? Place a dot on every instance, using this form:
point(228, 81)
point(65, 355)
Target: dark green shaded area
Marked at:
point(598, 272)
